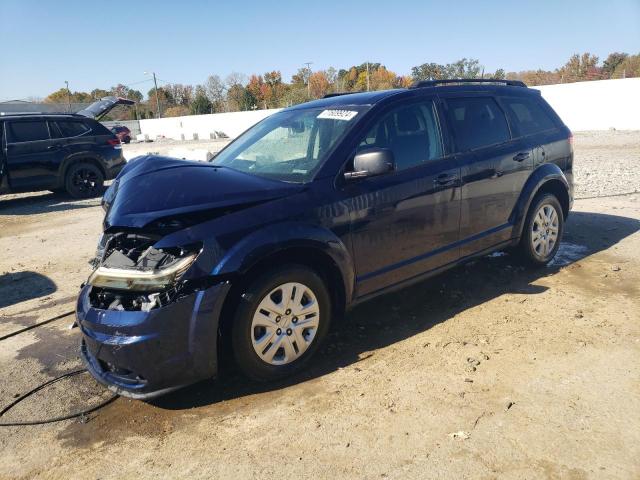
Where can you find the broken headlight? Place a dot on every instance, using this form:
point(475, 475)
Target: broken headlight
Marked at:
point(147, 269)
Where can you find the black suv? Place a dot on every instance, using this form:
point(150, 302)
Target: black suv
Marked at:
point(58, 152)
point(311, 211)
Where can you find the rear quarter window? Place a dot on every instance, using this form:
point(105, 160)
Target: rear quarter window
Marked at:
point(527, 116)
point(27, 131)
point(98, 128)
point(72, 128)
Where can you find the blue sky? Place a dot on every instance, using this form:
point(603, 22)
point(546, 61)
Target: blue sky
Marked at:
point(45, 43)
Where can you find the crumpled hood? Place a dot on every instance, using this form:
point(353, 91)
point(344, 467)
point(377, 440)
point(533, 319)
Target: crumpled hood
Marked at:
point(150, 188)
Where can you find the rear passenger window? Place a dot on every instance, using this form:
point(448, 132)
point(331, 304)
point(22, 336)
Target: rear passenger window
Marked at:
point(27, 131)
point(410, 131)
point(476, 122)
point(72, 129)
point(527, 116)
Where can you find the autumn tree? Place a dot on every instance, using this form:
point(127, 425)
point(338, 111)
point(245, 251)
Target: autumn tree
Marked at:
point(319, 84)
point(164, 99)
point(580, 68)
point(64, 96)
point(254, 88)
point(177, 111)
point(273, 89)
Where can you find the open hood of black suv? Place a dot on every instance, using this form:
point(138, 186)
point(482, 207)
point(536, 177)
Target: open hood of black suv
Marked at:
point(161, 190)
point(103, 106)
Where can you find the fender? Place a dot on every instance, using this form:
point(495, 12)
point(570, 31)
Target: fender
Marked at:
point(275, 238)
point(541, 175)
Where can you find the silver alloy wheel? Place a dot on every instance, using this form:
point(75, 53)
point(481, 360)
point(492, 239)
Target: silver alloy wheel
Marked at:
point(285, 323)
point(544, 230)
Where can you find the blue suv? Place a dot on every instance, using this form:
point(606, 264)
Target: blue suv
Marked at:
point(311, 211)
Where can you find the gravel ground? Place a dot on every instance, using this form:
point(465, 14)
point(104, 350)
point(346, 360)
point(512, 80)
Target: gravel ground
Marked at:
point(606, 163)
point(487, 371)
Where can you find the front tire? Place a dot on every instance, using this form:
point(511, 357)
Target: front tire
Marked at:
point(542, 231)
point(282, 318)
point(84, 180)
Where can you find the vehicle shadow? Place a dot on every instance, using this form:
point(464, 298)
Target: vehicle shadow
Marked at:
point(16, 287)
point(396, 316)
point(45, 202)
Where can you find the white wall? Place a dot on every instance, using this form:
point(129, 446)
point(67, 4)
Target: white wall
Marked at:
point(598, 105)
point(232, 124)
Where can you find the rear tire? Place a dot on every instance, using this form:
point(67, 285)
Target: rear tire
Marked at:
point(84, 180)
point(542, 230)
point(273, 337)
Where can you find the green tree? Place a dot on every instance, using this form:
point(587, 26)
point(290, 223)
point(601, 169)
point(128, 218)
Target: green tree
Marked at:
point(201, 103)
point(427, 71)
point(98, 93)
point(612, 62)
point(628, 68)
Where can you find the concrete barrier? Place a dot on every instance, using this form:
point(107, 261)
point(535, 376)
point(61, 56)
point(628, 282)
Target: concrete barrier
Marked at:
point(203, 127)
point(597, 105)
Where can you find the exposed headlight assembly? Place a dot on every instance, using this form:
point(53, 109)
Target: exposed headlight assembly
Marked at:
point(147, 270)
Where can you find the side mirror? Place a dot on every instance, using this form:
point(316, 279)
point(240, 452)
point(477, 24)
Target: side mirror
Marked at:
point(372, 162)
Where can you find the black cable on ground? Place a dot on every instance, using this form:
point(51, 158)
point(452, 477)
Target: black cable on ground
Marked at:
point(17, 332)
point(54, 419)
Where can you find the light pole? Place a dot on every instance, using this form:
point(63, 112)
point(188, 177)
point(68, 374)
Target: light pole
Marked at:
point(68, 96)
point(308, 64)
point(155, 82)
point(367, 76)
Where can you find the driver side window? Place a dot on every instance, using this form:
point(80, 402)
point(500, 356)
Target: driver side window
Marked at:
point(410, 131)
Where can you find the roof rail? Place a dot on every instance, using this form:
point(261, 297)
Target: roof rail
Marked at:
point(27, 114)
point(337, 94)
point(434, 83)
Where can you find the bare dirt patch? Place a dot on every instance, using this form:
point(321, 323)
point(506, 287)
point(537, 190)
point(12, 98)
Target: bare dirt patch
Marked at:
point(488, 371)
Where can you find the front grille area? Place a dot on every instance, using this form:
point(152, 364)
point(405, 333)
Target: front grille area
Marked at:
point(121, 374)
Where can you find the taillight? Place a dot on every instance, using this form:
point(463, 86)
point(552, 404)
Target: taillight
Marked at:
point(570, 139)
point(113, 141)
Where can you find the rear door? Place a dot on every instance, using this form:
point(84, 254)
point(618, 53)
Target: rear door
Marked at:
point(31, 153)
point(533, 125)
point(405, 223)
point(494, 169)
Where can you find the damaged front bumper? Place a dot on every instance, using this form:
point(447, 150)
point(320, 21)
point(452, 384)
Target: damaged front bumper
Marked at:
point(144, 354)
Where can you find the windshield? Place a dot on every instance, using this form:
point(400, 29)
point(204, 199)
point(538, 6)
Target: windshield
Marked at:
point(289, 145)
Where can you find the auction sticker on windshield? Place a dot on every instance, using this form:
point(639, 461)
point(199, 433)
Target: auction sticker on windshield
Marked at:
point(338, 114)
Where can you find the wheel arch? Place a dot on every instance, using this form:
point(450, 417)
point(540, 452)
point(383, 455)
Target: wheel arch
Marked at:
point(79, 158)
point(307, 245)
point(548, 178)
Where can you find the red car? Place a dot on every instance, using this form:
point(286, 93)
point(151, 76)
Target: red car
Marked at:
point(122, 132)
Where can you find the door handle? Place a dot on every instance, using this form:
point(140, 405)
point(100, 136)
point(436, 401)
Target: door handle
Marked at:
point(521, 156)
point(445, 179)
point(53, 147)
point(497, 174)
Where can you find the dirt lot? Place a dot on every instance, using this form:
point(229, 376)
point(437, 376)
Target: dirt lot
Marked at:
point(488, 371)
